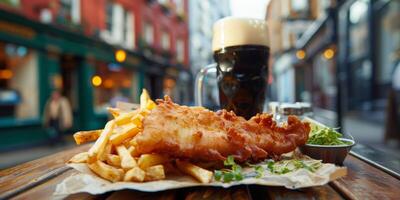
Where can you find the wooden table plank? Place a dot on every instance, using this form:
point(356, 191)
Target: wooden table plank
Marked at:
point(281, 193)
point(210, 193)
point(364, 181)
point(28, 173)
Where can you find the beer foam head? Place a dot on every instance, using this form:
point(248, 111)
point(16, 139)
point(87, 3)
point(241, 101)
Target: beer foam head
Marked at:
point(233, 31)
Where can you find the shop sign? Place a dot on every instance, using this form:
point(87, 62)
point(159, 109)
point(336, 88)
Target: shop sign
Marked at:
point(15, 29)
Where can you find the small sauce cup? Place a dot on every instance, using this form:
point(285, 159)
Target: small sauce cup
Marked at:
point(328, 153)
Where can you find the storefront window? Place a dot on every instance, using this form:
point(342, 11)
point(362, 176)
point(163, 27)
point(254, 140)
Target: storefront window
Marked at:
point(389, 41)
point(18, 82)
point(358, 29)
point(113, 82)
point(324, 86)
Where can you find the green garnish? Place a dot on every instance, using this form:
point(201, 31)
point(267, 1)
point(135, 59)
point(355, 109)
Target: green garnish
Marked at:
point(286, 166)
point(259, 171)
point(232, 173)
point(326, 136)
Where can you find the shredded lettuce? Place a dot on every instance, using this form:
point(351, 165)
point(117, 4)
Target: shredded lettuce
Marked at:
point(325, 136)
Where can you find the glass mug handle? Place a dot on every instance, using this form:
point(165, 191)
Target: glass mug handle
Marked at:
point(198, 90)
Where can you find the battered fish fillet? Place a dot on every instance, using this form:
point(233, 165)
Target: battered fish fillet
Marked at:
point(198, 134)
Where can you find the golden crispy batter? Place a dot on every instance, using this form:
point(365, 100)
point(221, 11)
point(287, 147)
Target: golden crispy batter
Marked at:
point(196, 133)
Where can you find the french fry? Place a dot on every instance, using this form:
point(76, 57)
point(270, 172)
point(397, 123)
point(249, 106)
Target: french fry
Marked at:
point(125, 118)
point(144, 98)
point(202, 175)
point(97, 150)
point(154, 173)
point(127, 161)
point(144, 113)
point(147, 160)
point(127, 131)
point(79, 158)
point(113, 160)
point(131, 150)
point(135, 174)
point(82, 137)
point(107, 150)
point(150, 105)
point(137, 120)
point(106, 171)
point(115, 112)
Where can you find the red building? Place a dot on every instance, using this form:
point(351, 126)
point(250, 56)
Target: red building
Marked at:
point(157, 29)
point(161, 24)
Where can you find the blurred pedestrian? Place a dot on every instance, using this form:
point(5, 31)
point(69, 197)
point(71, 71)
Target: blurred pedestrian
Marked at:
point(57, 115)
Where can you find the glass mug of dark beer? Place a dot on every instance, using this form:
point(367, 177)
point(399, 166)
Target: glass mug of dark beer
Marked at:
point(241, 51)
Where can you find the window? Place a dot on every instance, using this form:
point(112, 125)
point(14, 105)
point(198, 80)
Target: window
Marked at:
point(299, 8)
point(299, 5)
point(165, 40)
point(70, 10)
point(179, 6)
point(358, 29)
point(120, 25)
point(18, 82)
point(112, 82)
point(129, 32)
point(180, 50)
point(45, 16)
point(389, 42)
point(324, 90)
point(148, 33)
point(163, 2)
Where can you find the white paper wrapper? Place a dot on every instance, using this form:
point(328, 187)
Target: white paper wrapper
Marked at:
point(87, 181)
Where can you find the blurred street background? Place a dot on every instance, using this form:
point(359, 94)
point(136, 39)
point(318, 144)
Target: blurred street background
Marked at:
point(71, 59)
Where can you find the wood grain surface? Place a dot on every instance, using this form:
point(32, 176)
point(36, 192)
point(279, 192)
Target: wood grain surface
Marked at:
point(28, 173)
point(362, 182)
point(366, 182)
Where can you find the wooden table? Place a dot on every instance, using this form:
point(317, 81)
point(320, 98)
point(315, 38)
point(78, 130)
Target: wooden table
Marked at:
point(37, 180)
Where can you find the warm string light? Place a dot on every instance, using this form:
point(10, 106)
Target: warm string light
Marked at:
point(301, 54)
point(96, 81)
point(120, 55)
point(329, 53)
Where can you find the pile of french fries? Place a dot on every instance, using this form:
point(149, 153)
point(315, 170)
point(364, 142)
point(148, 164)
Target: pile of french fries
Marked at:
point(113, 155)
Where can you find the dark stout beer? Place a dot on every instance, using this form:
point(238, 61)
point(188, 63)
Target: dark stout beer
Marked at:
point(241, 50)
point(242, 73)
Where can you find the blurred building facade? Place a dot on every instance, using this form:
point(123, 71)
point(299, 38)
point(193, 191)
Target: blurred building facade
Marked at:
point(291, 23)
point(94, 51)
point(202, 15)
point(343, 58)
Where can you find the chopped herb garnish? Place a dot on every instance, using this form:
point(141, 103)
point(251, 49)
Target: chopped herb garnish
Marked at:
point(232, 173)
point(259, 170)
point(230, 161)
point(217, 175)
point(286, 166)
